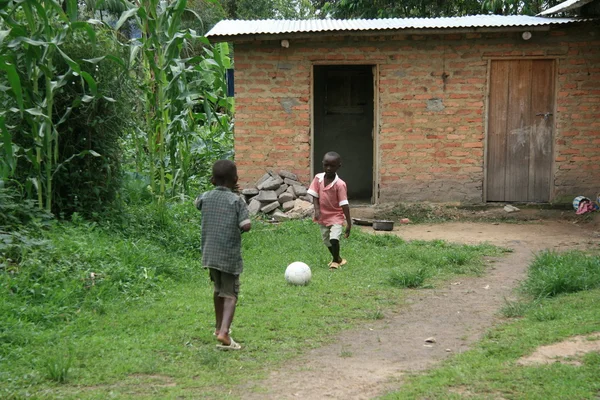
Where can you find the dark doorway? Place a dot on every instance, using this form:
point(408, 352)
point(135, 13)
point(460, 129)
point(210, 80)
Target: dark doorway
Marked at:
point(343, 122)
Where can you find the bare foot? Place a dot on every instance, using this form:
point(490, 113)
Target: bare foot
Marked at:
point(224, 339)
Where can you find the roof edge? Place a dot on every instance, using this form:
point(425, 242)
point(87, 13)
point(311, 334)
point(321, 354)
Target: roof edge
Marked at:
point(251, 37)
point(278, 28)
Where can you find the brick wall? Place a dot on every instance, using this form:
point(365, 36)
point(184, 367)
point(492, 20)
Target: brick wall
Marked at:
point(432, 93)
point(577, 138)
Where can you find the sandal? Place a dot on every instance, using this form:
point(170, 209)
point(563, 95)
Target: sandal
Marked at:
point(233, 345)
point(333, 265)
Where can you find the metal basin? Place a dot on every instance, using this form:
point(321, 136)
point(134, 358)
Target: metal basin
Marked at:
point(383, 225)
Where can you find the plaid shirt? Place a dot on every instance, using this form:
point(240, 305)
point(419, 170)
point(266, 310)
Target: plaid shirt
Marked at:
point(223, 214)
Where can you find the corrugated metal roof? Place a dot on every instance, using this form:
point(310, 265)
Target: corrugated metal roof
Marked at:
point(565, 6)
point(276, 27)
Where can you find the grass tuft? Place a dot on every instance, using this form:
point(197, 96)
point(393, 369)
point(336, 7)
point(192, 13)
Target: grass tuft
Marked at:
point(56, 366)
point(514, 309)
point(410, 278)
point(555, 273)
point(375, 315)
point(545, 314)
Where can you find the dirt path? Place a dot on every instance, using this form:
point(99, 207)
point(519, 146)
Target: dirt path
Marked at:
point(371, 359)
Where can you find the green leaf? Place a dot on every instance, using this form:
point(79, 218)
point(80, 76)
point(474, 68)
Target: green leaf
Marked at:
point(28, 41)
point(90, 81)
point(3, 35)
point(74, 66)
point(86, 27)
point(207, 111)
point(36, 112)
point(94, 21)
point(8, 147)
point(125, 16)
point(14, 80)
point(29, 13)
point(65, 116)
point(116, 60)
point(80, 154)
point(94, 60)
point(57, 6)
point(133, 52)
point(35, 183)
point(72, 10)
point(210, 61)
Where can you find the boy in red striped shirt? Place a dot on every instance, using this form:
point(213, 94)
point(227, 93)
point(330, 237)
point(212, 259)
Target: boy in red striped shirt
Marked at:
point(330, 196)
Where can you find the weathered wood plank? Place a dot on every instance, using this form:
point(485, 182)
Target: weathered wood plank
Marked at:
point(542, 104)
point(519, 127)
point(497, 120)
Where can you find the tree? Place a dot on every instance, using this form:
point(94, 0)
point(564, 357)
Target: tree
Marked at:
point(269, 9)
point(514, 7)
point(294, 9)
point(346, 9)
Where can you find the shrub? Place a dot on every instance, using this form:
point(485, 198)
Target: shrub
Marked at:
point(87, 184)
point(18, 218)
point(16, 212)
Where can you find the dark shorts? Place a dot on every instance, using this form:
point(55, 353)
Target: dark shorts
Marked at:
point(226, 285)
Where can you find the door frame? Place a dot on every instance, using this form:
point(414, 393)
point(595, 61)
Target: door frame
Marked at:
point(375, 129)
point(556, 65)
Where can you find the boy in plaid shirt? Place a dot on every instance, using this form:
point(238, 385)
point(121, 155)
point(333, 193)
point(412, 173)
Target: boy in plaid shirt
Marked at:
point(224, 219)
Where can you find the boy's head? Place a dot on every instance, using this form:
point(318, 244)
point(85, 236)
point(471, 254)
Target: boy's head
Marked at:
point(331, 163)
point(224, 173)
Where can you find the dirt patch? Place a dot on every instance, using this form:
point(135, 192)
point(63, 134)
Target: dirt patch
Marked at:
point(372, 359)
point(566, 352)
point(536, 236)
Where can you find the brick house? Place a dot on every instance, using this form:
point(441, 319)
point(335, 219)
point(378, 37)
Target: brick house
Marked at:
point(468, 109)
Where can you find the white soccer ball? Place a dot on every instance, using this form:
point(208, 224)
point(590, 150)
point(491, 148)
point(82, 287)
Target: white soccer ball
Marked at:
point(298, 273)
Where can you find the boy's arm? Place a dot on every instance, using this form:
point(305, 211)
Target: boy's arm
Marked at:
point(343, 198)
point(313, 190)
point(346, 210)
point(198, 202)
point(317, 208)
point(243, 216)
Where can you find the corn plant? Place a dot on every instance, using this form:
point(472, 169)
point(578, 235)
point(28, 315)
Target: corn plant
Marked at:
point(32, 33)
point(183, 93)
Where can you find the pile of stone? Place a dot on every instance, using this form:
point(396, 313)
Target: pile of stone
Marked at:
point(279, 195)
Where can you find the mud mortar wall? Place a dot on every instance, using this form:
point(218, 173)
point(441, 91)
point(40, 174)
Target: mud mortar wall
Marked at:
point(431, 113)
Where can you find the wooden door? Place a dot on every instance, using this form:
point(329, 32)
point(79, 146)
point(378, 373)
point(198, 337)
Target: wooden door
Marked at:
point(520, 120)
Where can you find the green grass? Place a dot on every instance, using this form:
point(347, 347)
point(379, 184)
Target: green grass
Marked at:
point(142, 328)
point(490, 370)
point(553, 273)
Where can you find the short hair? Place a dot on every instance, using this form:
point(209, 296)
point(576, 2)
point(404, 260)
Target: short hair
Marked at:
point(224, 171)
point(333, 154)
